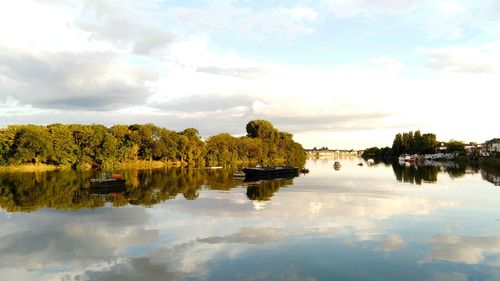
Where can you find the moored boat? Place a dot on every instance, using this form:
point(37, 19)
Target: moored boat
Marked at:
point(271, 172)
point(104, 182)
point(336, 165)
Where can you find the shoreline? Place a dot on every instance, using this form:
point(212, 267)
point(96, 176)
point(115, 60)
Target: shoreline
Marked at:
point(134, 164)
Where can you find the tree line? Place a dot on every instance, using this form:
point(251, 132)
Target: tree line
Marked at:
point(78, 146)
point(413, 143)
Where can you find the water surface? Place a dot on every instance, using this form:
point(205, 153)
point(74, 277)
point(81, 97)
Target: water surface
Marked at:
point(380, 222)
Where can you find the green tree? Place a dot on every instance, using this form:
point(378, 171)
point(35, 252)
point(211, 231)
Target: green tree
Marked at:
point(455, 146)
point(7, 137)
point(429, 143)
point(32, 144)
point(64, 150)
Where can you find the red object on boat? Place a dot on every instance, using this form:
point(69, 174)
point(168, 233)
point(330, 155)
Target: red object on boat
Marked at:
point(117, 176)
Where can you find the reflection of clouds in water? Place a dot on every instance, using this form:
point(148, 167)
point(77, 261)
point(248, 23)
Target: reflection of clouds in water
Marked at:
point(392, 243)
point(134, 269)
point(73, 240)
point(96, 244)
point(305, 206)
point(250, 235)
point(452, 276)
point(350, 214)
point(259, 205)
point(297, 214)
point(465, 249)
point(290, 274)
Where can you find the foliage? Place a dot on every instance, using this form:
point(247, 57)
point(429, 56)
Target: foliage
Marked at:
point(455, 146)
point(81, 146)
point(414, 143)
point(377, 153)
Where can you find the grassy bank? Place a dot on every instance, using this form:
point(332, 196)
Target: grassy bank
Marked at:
point(145, 164)
point(30, 168)
point(133, 164)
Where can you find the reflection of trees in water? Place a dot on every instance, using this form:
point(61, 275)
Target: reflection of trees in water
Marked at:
point(59, 190)
point(69, 190)
point(265, 189)
point(491, 174)
point(417, 174)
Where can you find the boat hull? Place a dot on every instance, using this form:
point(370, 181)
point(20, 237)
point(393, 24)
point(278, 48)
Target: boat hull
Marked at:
point(107, 190)
point(270, 172)
point(107, 183)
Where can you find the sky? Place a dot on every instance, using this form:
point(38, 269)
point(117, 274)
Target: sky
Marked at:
point(337, 73)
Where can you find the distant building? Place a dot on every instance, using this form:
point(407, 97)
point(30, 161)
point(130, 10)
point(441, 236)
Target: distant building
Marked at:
point(490, 146)
point(472, 149)
point(324, 152)
point(441, 148)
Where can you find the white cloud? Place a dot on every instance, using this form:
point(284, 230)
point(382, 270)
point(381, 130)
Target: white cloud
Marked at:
point(253, 23)
point(33, 26)
point(367, 8)
point(302, 13)
point(63, 80)
point(451, 7)
point(465, 59)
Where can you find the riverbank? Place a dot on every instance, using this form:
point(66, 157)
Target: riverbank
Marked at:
point(31, 168)
point(133, 164)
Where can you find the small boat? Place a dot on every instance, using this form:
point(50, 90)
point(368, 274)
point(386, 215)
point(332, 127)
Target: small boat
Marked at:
point(336, 165)
point(304, 170)
point(370, 162)
point(106, 182)
point(360, 164)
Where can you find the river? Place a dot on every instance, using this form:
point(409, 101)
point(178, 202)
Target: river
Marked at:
point(378, 222)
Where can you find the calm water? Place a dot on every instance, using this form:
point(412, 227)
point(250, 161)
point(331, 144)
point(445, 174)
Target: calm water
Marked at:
point(358, 223)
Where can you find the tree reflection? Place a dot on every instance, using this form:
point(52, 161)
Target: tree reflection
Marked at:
point(263, 190)
point(70, 190)
point(416, 174)
point(491, 174)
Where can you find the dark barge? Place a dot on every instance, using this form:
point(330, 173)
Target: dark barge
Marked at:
point(271, 172)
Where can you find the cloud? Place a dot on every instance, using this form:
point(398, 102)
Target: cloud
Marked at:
point(472, 60)
point(239, 72)
point(464, 249)
point(126, 26)
point(367, 8)
point(336, 122)
point(64, 80)
point(204, 103)
point(244, 21)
